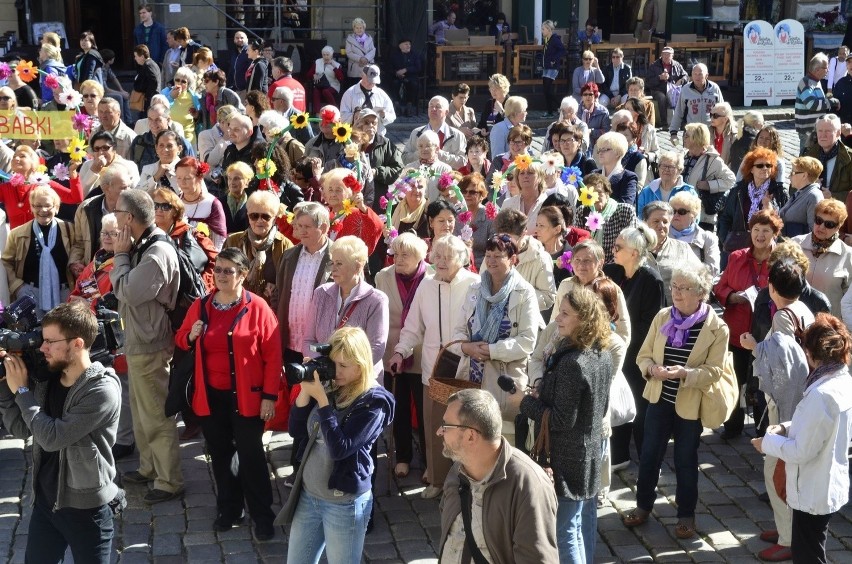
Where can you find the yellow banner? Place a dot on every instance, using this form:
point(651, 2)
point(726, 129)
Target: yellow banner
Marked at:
point(30, 124)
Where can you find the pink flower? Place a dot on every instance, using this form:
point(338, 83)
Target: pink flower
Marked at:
point(80, 122)
point(50, 81)
point(393, 234)
point(564, 261)
point(446, 180)
point(594, 221)
point(490, 211)
point(5, 71)
point(465, 217)
point(17, 179)
point(60, 172)
point(466, 233)
point(383, 203)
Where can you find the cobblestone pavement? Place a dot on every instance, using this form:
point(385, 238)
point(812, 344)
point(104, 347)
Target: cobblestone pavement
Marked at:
point(730, 517)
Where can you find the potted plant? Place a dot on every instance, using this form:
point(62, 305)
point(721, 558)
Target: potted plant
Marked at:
point(826, 28)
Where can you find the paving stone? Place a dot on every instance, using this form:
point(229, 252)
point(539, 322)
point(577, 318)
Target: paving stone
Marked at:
point(169, 559)
point(170, 523)
point(204, 553)
point(237, 547)
point(207, 537)
point(381, 551)
point(166, 544)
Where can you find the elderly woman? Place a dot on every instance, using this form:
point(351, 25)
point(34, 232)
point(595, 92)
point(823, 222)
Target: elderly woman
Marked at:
point(747, 273)
point(669, 184)
point(758, 190)
point(184, 103)
point(474, 191)
point(704, 169)
point(528, 202)
point(93, 282)
point(499, 323)
point(567, 117)
point(593, 113)
point(531, 261)
point(326, 74)
point(520, 139)
point(492, 112)
point(571, 148)
point(724, 130)
point(609, 150)
point(434, 313)
point(500, 137)
point(201, 205)
point(235, 337)
point(262, 243)
point(15, 196)
point(615, 216)
point(587, 73)
point(162, 172)
point(684, 227)
point(348, 300)
point(409, 213)
point(461, 116)
point(477, 161)
point(669, 253)
point(681, 356)
point(810, 443)
point(427, 163)
point(216, 95)
point(147, 79)
point(748, 129)
point(92, 92)
point(574, 389)
point(644, 294)
point(400, 282)
point(360, 50)
point(239, 175)
point(830, 268)
point(344, 197)
point(36, 253)
point(800, 210)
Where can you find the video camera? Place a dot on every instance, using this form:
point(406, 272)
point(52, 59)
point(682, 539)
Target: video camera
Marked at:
point(323, 365)
point(21, 333)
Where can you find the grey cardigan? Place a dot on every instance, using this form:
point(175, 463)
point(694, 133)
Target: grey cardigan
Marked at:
point(87, 427)
point(799, 211)
point(782, 369)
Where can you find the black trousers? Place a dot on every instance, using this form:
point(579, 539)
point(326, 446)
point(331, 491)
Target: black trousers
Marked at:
point(291, 356)
point(87, 531)
point(227, 433)
point(742, 366)
point(407, 386)
point(809, 534)
point(549, 86)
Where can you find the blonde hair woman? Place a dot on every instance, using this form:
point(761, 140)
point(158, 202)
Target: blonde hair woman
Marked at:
point(492, 112)
point(724, 129)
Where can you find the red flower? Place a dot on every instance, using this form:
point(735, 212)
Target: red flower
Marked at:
point(490, 211)
point(352, 183)
point(203, 168)
point(328, 116)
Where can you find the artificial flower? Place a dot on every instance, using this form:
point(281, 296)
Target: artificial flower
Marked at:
point(383, 203)
point(588, 196)
point(70, 98)
point(446, 180)
point(497, 180)
point(203, 228)
point(549, 164)
point(41, 167)
point(522, 162)
point(572, 176)
point(50, 81)
point(350, 150)
point(290, 217)
point(5, 71)
point(491, 211)
point(203, 168)
point(348, 207)
point(17, 179)
point(564, 261)
point(60, 172)
point(265, 168)
point(465, 217)
point(273, 132)
point(81, 122)
point(38, 178)
point(26, 71)
point(299, 121)
point(466, 233)
point(352, 183)
point(342, 132)
point(77, 149)
point(594, 221)
point(328, 116)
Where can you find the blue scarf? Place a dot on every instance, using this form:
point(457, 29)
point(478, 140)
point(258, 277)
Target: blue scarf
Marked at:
point(48, 274)
point(683, 233)
point(486, 321)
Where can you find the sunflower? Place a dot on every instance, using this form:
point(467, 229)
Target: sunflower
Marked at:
point(26, 71)
point(523, 162)
point(342, 132)
point(299, 121)
point(588, 197)
point(77, 149)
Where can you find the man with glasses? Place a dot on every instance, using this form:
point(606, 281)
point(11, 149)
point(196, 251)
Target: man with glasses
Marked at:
point(616, 74)
point(836, 158)
point(664, 75)
point(451, 141)
point(697, 100)
point(104, 155)
point(109, 113)
point(283, 100)
point(146, 278)
point(487, 474)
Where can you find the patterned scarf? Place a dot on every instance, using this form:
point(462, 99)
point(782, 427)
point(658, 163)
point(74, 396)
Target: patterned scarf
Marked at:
point(823, 370)
point(407, 286)
point(486, 320)
point(756, 194)
point(820, 246)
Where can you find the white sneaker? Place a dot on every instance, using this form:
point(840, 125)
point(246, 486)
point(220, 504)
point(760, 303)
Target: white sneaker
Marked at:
point(431, 492)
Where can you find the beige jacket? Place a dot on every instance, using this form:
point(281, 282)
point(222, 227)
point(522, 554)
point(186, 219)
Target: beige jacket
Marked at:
point(17, 246)
point(536, 267)
point(386, 282)
point(831, 273)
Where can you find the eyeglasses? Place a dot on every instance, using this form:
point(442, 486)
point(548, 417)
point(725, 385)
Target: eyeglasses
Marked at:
point(181, 80)
point(762, 165)
point(676, 288)
point(225, 271)
point(256, 216)
point(5, 98)
point(51, 341)
point(682, 211)
point(568, 140)
point(445, 426)
point(667, 167)
point(588, 94)
point(110, 234)
point(163, 206)
point(795, 172)
point(517, 142)
point(91, 96)
point(102, 148)
point(602, 150)
point(471, 193)
point(828, 223)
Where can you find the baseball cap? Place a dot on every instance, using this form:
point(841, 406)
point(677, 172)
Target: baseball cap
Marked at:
point(364, 113)
point(373, 74)
point(668, 50)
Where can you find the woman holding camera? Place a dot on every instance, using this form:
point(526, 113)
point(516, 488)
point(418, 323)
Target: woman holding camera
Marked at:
point(237, 348)
point(336, 501)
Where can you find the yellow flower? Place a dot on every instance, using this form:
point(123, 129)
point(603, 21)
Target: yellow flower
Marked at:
point(342, 132)
point(265, 168)
point(273, 132)
point(299, 121)
point(588, 196)
point(290, 217)
point(348, 207)
point(203, 228)
point(77, 149)
point(523, 162)
point(41, 168)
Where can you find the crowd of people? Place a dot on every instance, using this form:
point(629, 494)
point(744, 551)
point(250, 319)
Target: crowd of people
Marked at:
point(544, 280)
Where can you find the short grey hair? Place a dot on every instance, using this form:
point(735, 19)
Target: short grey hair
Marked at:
point(328, 49)
point(833, 119)
point(698, 278)
point(111, 102)
point(479, 409)
point(451, 245)
point(655, 206)
point(117, 171)
point(109, 219)
point(569, 102)
point(817, 61)
point(702, 67)
point(409, 242)
point(674, 157)
point(283, 93)
point(358, 21)
point(593, 247)
point(445, 104)
point(139, 204)
point(641, 239)
point(315, 210)
point(688, 200)
point(429, 136)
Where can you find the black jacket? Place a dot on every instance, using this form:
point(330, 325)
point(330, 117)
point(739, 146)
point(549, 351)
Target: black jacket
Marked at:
point(258, 75)
point(147, 80)
point(741, 147)
point(734, 217)
point(623, 75)
point(234, 222)
point(412, 63)
point(624, 187)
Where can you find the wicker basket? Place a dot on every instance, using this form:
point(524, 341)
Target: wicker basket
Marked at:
point(440, 389)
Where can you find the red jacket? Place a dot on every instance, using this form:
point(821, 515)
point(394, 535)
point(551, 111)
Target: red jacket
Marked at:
point(741, 273)
point(16, 199)
point(367, 226)
point(256, 345)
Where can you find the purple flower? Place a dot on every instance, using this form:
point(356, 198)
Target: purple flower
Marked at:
point(60, 172)
point(80, 122)
point(564, 261)
point(5, 71)
point(466, 233)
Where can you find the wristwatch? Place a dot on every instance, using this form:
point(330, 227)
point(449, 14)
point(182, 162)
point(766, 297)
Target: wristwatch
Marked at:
point(22, 390)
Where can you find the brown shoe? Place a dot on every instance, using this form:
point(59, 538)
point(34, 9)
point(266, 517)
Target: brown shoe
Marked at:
point(635, 518)
point(685, 529)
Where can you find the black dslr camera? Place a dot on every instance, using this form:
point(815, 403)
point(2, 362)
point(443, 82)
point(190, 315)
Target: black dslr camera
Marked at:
point(323, 365)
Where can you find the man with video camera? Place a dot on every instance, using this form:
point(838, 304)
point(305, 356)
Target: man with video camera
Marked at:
point(72, 415)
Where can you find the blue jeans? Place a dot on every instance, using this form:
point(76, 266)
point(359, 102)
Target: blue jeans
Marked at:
point(661, 422)
point(574, 524)
point(87, 531)
point(339, 528)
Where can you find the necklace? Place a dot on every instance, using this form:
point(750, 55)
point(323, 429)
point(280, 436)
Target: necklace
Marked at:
point(196, 201)
point(227, 306)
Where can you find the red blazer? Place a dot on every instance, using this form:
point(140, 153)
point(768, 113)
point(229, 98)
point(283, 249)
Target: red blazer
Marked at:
point(256, 345)
point(742, 272)
point(16, 200)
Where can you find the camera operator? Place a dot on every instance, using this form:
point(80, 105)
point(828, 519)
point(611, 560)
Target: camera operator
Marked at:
point(73, 418)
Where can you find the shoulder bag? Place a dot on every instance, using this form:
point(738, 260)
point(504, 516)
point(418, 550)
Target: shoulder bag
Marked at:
point(137, 101)
point(466, 510)
point(443, 381)
point(182, 375)
point(712, 202)
point(739, 237)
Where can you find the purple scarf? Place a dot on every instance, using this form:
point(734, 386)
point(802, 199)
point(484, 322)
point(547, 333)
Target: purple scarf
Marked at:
point(756, 194)
point(407, 287)
point(823, 370)
point(676, 329)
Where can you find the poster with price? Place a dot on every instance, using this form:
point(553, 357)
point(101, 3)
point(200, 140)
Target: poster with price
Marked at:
point(759, 62)
point(789, 58)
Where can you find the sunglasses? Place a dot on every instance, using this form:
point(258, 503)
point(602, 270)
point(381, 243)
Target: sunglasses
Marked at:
point(681, 211)
point(714, 116)
point(102, 148)
point(471, 193)
point(762, 165)
point(828, 224)
point(256, 216)
point(163, 206)
point(5, 98)
point(90, 96)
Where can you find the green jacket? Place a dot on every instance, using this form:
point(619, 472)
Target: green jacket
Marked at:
point(841, 176)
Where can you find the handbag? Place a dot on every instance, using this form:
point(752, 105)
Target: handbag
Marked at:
point(137, 101)
point(779, 480)
point(622, 405)
point(712, 202)
point(738, 238)
point(443, 381)
point(285, 516)
point(182, 375)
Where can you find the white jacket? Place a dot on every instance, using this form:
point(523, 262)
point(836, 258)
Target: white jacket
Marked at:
point(421, 324)
point(815, 448)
